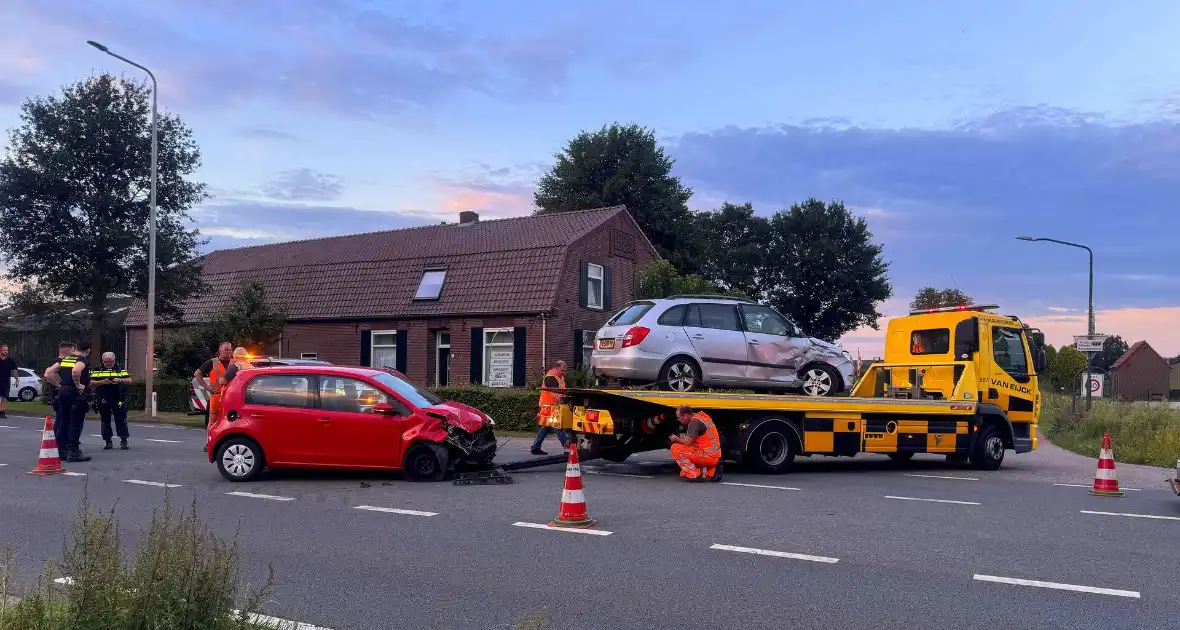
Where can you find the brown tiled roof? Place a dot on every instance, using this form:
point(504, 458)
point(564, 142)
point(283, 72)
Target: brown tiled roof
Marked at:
point(497, 266)
point(1135, 347)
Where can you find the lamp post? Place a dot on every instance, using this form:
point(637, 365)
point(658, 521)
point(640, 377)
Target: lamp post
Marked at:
point(1090, 309)
point(150, 364)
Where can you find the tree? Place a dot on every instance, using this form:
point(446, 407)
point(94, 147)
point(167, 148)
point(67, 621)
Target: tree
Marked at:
point(252, 322)
point(660, 279)
point(1064, 368)
point(1113, 348)
point(929, 297)
point(624, 165)
point(734, 242)
point(822, 269)
point(74, 200)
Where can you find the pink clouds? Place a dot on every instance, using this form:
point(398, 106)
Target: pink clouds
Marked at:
point(488, 204)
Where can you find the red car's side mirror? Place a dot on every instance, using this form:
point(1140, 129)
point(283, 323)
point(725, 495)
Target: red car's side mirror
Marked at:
point(384, 409)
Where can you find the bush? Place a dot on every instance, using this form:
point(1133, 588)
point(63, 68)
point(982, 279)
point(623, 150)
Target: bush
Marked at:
point(171, 395)
point(182, 576)
point(1142, 434)
point(512, 409)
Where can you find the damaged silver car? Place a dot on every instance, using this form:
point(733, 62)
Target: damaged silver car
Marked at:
point(685, 342)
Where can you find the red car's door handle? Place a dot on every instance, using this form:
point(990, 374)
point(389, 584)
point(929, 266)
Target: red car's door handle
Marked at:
point(256, 414)
point(324, 420)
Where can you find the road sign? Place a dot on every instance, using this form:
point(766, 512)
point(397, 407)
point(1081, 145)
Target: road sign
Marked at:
point(1089, 343)
point(1095, 383)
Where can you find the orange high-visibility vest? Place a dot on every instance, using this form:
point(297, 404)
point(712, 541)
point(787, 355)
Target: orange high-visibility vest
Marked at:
point(709, 443)
point(215, 395)
point(548, 399)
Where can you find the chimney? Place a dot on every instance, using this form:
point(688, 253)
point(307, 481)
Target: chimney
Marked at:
point(468, 216)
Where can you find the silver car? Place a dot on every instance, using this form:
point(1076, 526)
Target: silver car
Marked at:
point(685, 342)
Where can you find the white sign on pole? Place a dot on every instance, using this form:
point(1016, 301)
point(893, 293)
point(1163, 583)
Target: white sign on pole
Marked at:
point(499, 368)
point(1089, 343)
point(1094, 381)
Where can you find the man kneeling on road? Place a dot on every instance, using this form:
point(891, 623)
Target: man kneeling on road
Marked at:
point(698, 452)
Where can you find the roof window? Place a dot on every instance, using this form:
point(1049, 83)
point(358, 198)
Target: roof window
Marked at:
point(431, 285)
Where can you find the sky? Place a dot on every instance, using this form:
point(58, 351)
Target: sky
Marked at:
point(951, 127)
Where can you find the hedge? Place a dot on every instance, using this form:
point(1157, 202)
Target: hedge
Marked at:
point(512, 409)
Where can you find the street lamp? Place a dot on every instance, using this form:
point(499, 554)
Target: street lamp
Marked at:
point(1090, 356)
point(149, 365)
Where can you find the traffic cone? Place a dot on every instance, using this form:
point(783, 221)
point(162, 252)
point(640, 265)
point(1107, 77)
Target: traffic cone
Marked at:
point(49, 463)
point(1106, 482)
point(573, 503)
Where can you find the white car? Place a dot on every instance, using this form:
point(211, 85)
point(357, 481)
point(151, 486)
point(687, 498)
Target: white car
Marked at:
point(27, 388)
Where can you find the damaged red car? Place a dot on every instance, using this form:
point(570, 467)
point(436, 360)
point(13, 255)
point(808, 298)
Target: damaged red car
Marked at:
point(326, 416)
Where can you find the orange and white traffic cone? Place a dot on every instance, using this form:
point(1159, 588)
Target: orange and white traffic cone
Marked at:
point(572, 512)
point(49, 462)
point(1106, 481)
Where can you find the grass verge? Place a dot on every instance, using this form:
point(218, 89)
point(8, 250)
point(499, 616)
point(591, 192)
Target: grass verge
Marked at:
point(1140, 434)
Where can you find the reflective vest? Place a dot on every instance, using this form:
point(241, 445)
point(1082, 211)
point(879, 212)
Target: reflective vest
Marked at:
point(66, 370)
point(214, 383)
point(708, 443)
point(112, 391)
point(548, 399)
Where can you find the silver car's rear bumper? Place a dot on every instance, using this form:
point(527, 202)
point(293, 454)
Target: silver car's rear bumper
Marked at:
point(636, 366)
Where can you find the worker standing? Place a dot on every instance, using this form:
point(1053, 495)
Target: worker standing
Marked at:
point(72, 375)
point(110, 389)
point(554, 379)
point(698, 452)
point(208, 377)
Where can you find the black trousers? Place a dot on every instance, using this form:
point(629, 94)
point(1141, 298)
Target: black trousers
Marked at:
point(113, 409)
point(69, 415)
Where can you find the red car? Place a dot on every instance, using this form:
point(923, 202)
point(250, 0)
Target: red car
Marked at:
point(327, 416)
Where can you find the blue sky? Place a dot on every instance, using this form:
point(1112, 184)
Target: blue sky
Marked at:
point(952, 127)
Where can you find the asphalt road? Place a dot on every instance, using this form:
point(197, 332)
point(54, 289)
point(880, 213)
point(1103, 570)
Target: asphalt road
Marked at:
point(858, 543)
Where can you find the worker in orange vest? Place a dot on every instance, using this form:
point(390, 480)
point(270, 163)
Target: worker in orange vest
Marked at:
point(208, 377)
point(554, 379)
point(698, 451)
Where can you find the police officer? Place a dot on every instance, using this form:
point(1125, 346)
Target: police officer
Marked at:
point(64, 349)
point(110, 395)
point(73, 377)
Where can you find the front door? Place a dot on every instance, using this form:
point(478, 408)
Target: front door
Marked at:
point(716, 335)
point(351, 434)
point(442, 358)
point(1010, 383)
point(774, 352)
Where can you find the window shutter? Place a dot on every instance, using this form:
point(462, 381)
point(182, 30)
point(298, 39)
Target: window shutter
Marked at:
point(583, 275)
point(366, 347)
point(399, 361)
point(476, 356)
point(606, 288)
point(519, 351)
point(578, 348)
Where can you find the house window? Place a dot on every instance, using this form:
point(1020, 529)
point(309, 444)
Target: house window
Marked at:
point(431, 285)
point(498, 356)
point(311, 356)
point(587, 347)
point(594, 286)
point(383, 346)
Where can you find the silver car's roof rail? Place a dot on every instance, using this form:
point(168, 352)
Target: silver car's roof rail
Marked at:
point(708, 296)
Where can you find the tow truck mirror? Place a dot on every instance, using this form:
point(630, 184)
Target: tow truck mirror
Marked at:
point(966, 338)
point(1040, 364)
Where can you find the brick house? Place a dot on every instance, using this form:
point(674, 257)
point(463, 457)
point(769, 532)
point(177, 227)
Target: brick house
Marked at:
point(493, 302)
point(1140, 374)
point(1174, 381)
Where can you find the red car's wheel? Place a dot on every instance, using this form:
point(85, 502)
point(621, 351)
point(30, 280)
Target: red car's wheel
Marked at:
point(426, 461)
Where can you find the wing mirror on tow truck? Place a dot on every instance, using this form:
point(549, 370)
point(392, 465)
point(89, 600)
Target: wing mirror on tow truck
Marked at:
point(1036, 342)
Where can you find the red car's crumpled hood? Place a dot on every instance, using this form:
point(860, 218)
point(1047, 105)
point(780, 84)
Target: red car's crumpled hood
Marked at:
point(459, 415)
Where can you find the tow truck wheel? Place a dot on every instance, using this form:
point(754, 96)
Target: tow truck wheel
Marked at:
point(771, 449)
point(904, 456)
point(988, 453)
point(426, 461)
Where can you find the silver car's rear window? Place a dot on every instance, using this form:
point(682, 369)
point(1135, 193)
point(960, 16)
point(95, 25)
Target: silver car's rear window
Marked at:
point(631, 314)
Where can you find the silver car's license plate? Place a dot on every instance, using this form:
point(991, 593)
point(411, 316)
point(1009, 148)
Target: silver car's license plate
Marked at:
point(606, 344)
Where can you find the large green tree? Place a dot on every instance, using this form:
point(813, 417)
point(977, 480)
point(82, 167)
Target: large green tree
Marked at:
point(1065, 368)
point(930, 297)
point(252, 321)
point(660, 279)
point(1113, 348)
point(623, 164)
point(823, 269)
point(74, 201)
point(734, 242)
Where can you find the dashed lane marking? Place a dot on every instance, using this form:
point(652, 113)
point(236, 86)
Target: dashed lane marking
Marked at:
point(70, 473)
point(6, 426)
point(1128, 514)
point(162, 441)
point(594, 471)
point(157, 484)
point(277, 622)
point(251, 495)
point(776, 554)
point(1083, 485)
point(758, 485)
point(889, 496)
point(1057, 585)
point(940, 477)
point(373, 508)
point(568, 530)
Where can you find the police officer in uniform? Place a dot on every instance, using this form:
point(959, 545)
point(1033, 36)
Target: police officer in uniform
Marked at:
point(64, 349)
point(110, 396)
point(73, 377)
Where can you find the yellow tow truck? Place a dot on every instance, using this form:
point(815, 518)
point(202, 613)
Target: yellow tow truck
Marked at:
point(959, 381)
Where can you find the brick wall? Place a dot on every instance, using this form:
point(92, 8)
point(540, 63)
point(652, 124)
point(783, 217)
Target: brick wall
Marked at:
point(1144, 376)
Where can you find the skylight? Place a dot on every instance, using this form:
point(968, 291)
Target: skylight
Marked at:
point(431, 285)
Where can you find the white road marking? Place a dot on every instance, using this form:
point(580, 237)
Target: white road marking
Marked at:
point(939, 477)
point(571, 530)
point(162, 441)
point(70, 473)
point(373, 508)
point(1057, 585)
point(251, 495)
point(1162, 518)
point(776, 554)
point(277, 622)
point(615, 474)
point(5, 426)
point(758, 485)
point(68, 581)
point(1086, 485)
point(889, 496)
point(157, 484)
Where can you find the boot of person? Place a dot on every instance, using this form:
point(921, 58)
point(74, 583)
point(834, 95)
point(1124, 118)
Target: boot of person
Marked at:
point(76, 455)
point(108, 446)
point(122, 444)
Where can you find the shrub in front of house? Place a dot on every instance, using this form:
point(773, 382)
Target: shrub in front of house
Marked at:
point(512, 409)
